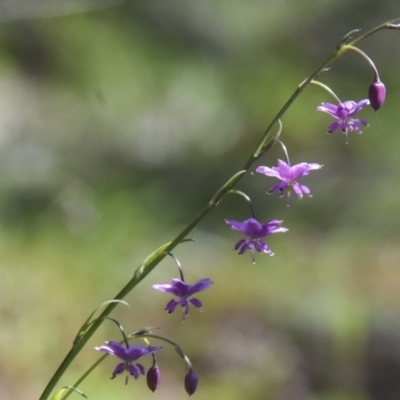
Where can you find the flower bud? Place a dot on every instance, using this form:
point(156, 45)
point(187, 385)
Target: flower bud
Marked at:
point(377, 94)
point(191, 382)
point(153, 377)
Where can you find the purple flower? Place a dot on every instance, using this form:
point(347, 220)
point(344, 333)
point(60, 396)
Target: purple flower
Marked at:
point(289, 175)
point(255, 232)
point(377, 94)
point(344, 114)
point(191, 382)
point(128, 355)
point(183, 291)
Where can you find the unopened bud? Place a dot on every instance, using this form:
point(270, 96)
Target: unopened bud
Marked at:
point(191, 382)
point(377, 94)
point(153, 377)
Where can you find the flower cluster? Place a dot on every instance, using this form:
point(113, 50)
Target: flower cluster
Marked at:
point(128, 356)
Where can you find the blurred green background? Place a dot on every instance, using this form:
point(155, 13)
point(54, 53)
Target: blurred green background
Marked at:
point(116, 127)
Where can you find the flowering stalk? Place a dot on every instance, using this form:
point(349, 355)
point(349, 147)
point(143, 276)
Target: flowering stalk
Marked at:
point(266, 142)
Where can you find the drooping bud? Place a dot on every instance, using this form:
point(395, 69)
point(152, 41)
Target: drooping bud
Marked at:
point(190, 382)
point(377, 94)
point(153, 377)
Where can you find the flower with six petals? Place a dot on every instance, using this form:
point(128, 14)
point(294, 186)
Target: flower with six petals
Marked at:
point(184, 292)
point(289, 175)
point(345, 113)
point(128, 355)
point(255, 232)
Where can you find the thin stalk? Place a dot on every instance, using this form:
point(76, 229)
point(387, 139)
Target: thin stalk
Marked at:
point(265, 143)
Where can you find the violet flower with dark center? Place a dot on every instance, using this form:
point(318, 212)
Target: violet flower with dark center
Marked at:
point(184, 292)
point(128, 355)
point(255, 232)
point(289, 175)
point(345, 113)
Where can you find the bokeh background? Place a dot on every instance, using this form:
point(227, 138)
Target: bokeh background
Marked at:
point(119, 120)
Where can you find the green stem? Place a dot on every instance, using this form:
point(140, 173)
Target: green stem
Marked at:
point(265, 143)
point(320, 84)
point(368, 59)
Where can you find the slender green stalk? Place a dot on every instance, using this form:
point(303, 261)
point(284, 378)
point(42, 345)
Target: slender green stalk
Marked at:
point(327, 88)
point(365, 57)
point(266, 142)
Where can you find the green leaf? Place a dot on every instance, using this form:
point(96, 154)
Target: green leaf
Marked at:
point(59, 395)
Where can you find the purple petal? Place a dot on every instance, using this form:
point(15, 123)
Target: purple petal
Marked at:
point(199, 286)
point(270, 227)
point(297, 190)
point(240, 243)
point(171, 305)
point(328, 108)
point(360, 121)
point(119, 369)
point(137, 351)
point(235, 225)
point(262, 247)
point(140, 368)
point(133, 371)
point(177, 287)
point(249, 227)
point(285, 170)
point(268, 171)
point(252, 228)
point(305, 190)
point(247, 246)
point(280, 230)
point(299, 170)
point(197, 303)
point(313, 166)
point(163, 287)
point(351, 127)
point(333, 126)
point(281, 186)
point(183, 302)
point(345, 110)
point(358, 106)
point(114, 348)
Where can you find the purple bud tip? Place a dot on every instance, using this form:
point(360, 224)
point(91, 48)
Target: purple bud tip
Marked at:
point(191, 382)
point(153, 377)
point(377, 94)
